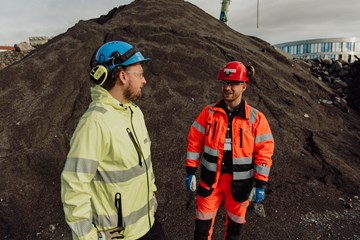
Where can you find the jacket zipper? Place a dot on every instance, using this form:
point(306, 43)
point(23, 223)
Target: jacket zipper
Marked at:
point(135, 140)
point(140, 155)
point(138, 150)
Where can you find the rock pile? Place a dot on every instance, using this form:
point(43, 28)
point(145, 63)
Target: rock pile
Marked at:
point(21, 50)
point(9, 57)
point(342, 77)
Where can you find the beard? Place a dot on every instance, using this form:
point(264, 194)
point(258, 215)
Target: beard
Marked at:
point(231, 96)
point(131, 95)
point(227, 95)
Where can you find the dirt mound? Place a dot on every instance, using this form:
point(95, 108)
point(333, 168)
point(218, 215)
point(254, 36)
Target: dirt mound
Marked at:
point(315, 176)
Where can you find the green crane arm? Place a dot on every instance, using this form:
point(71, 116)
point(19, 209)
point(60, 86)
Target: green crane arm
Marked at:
point(224, 10)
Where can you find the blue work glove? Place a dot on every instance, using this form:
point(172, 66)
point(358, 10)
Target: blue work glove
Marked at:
point(191, 182)
point(259, 195)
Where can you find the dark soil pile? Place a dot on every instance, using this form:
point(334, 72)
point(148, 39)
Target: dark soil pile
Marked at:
point(314, 191)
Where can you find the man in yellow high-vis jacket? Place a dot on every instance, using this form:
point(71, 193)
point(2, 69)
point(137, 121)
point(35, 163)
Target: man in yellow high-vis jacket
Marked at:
point(107, 184)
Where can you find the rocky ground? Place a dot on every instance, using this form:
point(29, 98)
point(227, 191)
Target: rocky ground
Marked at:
point(314, 183)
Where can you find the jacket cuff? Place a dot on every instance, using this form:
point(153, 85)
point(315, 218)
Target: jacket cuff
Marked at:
point(191, 170)
point(259, 183)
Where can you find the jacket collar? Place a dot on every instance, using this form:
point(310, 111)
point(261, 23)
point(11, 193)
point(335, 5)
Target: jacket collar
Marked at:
point(101, 95)
point(239, 110)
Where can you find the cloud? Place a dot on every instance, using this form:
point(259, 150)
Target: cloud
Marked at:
point(21, 19)
point(284, 20)
point(279, 20)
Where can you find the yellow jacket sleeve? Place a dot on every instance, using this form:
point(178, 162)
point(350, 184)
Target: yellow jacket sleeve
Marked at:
point(86, 149)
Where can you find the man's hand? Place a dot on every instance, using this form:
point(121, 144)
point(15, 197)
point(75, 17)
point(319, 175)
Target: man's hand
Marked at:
point(259, 195)
point(191, 182)
point(116, 233)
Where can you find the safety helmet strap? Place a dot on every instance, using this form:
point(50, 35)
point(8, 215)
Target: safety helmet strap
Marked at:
point(117, 58)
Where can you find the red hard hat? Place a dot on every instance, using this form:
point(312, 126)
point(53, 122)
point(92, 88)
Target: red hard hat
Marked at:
point(236, 71)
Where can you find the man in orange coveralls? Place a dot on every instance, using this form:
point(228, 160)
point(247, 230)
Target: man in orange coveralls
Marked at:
point(235, 145)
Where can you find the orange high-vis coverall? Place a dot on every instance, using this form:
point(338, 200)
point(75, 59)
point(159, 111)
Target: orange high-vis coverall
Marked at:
point(252, 149)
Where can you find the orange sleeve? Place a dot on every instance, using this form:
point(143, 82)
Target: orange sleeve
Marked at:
point(196, 140)
point(263, 149)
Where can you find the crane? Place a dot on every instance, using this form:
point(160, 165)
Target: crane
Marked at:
point(225, 9)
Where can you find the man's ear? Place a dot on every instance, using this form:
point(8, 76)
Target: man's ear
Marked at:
point(122, 77)
point(244, 87)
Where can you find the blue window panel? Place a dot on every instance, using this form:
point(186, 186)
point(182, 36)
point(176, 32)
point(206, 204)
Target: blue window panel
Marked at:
point(339, 47)
point(327, 47)
point(348, 46)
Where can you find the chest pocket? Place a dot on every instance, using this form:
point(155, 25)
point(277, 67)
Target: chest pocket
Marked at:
point(213, 128)
point(210, 124)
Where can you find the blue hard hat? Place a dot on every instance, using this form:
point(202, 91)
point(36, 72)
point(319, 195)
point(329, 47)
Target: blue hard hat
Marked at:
point(118, 53)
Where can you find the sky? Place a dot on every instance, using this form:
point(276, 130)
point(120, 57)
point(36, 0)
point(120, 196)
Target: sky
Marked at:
point(279, 21)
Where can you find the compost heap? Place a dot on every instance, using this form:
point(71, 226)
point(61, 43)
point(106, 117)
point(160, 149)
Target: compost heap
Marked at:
point(314, 182)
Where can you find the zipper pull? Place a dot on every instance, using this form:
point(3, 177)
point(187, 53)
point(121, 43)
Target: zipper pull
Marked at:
point(137, 147)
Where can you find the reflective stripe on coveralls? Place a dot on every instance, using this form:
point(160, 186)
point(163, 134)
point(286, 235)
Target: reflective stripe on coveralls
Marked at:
point(209, 165)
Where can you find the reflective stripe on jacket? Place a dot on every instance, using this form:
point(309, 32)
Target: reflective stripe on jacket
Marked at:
point(103, 161)
point(252, 148)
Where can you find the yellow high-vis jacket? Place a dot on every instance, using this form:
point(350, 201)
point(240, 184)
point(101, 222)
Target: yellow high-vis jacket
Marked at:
point(109, 154)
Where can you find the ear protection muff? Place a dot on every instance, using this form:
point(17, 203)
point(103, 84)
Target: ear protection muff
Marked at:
point(250, 71)
point(99, 74)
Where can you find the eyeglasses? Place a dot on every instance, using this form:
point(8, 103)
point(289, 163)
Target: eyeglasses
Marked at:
point(231, 84)
point(137, 74)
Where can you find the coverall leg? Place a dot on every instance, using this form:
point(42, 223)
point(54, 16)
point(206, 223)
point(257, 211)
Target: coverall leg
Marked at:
point(207, 208)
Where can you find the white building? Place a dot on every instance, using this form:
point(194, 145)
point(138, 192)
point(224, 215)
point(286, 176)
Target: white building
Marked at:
point(328, 48)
